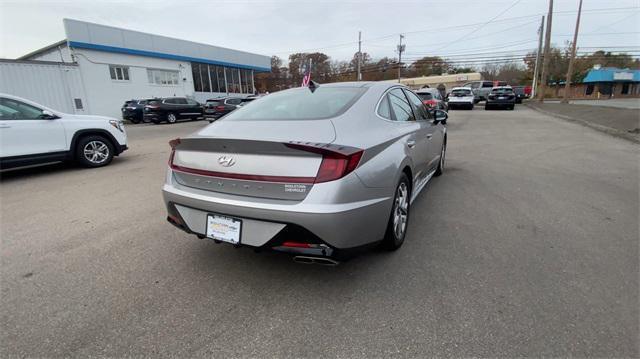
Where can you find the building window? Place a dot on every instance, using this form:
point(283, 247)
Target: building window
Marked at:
point(625, 89)
point(197, 82)
point(222, 84)
point(215, 78)
point(163, 77)
point(589, 90)
point(119, 73)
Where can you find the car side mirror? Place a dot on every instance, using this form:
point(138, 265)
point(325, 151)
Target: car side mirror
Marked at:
point(48, 115)
point(440, 116)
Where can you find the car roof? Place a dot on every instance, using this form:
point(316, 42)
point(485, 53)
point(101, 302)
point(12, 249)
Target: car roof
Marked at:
point(503, 87)
point(427, 90)
point(461, 88)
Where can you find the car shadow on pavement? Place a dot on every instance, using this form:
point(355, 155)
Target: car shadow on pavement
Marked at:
point(53, 169)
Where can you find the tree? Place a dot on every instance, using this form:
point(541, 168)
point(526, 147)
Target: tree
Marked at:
point(427, 66)
point(320, 67)
point(271, 81)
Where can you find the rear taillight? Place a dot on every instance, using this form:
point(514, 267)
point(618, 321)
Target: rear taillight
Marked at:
point(173, 143)
point(219, 108)
point(337, 161)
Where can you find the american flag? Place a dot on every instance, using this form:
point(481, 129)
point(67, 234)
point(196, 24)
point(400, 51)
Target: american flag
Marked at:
point(306, 70)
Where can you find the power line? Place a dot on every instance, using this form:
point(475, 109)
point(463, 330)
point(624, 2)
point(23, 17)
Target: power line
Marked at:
point(480, 27)
point(390, 36)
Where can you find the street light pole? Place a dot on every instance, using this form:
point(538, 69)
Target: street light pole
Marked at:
point(545, 59)
point(400, 50)
point(567, 85)
point(359, 74)
point(534, 86)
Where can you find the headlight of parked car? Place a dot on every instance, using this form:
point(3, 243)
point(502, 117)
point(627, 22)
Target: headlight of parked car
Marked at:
point(117, 125)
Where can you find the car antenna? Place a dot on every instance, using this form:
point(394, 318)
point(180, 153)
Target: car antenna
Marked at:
point(313, 86)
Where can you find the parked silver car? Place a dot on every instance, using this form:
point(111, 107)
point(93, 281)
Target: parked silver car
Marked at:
point(316, 172)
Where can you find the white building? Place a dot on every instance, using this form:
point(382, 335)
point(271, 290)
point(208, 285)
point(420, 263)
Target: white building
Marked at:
point(97, 68)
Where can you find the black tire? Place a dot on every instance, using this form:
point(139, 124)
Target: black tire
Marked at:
point(443, 153)
point(486, 107)
point(512, 107)
point(471, 107)
point(94, 151)
point(134, 120)
point(392, 240)
point(172, 118)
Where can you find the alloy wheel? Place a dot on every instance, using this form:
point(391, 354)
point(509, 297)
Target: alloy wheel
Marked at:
point(96, 152)
point(401, 211)
point(171, 118)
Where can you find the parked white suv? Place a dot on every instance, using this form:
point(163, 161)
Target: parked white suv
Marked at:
point(32, 134)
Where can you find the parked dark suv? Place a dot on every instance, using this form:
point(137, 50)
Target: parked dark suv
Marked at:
point(132, 110)
point(218, 107)
point(501, 97)
point(172, 109)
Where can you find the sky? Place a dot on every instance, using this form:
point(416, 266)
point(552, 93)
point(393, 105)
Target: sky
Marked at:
point(453, 28)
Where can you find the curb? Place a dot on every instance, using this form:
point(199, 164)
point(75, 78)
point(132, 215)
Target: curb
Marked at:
point(608, 130)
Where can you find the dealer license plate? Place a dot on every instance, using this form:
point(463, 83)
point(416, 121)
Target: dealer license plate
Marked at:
point(223, 228)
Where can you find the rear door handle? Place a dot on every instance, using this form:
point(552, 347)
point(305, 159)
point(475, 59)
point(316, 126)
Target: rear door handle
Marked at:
point(429, 135)
point(411, 144)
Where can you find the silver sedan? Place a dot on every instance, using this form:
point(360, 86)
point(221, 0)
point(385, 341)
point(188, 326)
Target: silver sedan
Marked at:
point(318, 172)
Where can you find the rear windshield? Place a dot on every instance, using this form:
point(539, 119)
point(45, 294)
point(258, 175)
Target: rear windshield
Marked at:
point(213, 103)
point(154, 102)
point(425, 96)
point(502, 91)
point(300, 104)
point(461, 92)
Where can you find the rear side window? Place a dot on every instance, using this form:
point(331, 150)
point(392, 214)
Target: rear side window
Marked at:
point(425, 96)
point(461, 92)
point(502, 91)
point(300, 104)
point(180, 101)
point(383, 108)
point(400, 106)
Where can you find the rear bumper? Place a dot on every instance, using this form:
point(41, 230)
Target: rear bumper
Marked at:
point(341, 226)
point(501, 102)
point(460, 103)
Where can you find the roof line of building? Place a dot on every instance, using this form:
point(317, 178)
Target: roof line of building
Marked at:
point(124, 50)
point(44, 49)
point(38, 62)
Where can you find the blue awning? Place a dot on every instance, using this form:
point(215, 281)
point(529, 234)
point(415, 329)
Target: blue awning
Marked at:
point(612, 74)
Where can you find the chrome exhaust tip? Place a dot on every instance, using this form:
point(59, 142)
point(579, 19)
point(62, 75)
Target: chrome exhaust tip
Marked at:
point(316, 260)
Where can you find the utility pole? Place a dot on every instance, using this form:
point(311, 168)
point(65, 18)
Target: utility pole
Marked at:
point(545, 59)
point(534, 86)
point(567, 85)
point(400, 50)
point(359, 75)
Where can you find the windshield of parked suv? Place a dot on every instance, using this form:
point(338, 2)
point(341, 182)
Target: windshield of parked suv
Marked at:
point(461, 92)
point(300, 104)
point(425, 96)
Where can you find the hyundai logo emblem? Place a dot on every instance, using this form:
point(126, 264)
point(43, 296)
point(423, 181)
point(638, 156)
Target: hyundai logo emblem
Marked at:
point(226, 161)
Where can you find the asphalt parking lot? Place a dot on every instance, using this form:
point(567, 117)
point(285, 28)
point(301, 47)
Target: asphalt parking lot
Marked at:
point(527, 246)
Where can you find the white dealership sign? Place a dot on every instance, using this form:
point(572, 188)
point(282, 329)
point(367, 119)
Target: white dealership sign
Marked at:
point(623, 76)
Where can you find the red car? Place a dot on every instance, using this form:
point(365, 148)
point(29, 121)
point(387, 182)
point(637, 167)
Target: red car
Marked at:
point(432, 98)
